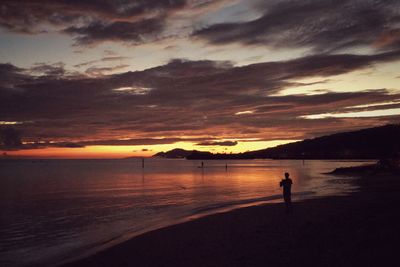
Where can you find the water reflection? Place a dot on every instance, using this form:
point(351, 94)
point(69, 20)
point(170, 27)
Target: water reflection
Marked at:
point(52, 209)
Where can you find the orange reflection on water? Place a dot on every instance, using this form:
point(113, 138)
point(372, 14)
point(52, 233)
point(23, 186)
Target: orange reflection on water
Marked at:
point(79, 152)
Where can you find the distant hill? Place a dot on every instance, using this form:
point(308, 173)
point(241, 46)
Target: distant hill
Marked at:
point(371, 143)
point(174, 154)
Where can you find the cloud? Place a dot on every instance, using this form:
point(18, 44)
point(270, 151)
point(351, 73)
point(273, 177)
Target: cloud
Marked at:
point(323, 26)
point(9, 138)
point(218, 143)
point(102, 60)
point(55, 70)
point(93, 21)
point(67, 145)
point(137, 141)
point(197, 101)
point(194, 99)
point(100, 71)
point(11, 76)
point(89, 20)
point(132, 32)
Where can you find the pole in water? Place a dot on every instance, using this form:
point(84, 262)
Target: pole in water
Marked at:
point(142, 163)
point(202, 164)
point(226, 166)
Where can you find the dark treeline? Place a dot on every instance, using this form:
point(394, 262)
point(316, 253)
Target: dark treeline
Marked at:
point(371, 143)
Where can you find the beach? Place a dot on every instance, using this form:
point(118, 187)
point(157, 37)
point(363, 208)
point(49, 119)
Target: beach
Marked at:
point(356, 230)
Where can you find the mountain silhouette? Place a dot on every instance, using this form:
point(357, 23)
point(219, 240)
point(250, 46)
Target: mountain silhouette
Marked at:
point(372, 143)
point(174, 153)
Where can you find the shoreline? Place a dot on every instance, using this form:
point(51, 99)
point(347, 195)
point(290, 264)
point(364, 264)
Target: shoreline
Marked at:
point(338, 231)
point(269, 200)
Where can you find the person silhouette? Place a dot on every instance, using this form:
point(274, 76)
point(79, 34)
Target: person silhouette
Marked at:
point(287, 193)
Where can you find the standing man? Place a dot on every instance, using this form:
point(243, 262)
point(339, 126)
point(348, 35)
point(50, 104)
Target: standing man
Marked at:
point(287, 191)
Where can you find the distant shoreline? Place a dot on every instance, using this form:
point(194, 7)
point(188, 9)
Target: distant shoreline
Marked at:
point(149, 158)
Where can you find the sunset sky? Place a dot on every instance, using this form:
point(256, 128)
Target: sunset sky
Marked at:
point(104, 78)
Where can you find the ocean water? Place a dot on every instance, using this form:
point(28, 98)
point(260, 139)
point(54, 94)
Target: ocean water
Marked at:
point(53, 211)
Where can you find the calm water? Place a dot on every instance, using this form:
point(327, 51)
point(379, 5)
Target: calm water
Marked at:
point(53, 210)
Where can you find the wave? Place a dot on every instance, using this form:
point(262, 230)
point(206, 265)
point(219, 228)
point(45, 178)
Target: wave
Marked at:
point(228, 204)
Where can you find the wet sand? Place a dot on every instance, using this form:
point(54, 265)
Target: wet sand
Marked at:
point(357, 230)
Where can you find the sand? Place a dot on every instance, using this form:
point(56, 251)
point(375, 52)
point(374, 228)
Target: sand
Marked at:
point(357, 230)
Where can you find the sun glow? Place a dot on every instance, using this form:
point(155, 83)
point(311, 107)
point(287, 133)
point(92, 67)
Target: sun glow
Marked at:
point(133, 90)
point(137, 151)
point(10, 122)
point(244, 112)
point(360, 114)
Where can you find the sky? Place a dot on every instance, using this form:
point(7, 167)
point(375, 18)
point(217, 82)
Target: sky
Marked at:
point(109, 79)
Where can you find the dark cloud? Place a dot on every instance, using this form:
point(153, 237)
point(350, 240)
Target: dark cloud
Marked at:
point(67, 145)
point(138, 141)
point(7, 68)
point(133, 32)
point(99, 71)
point(113, 58)
point(102, 60)
point(195, 99)
point(10, 138)
point(11, 76)
point(55, 70)
point(324, 26)
point(218, 143)
point(89, 20)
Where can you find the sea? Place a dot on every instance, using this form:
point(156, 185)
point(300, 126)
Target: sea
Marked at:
point(55, 211)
